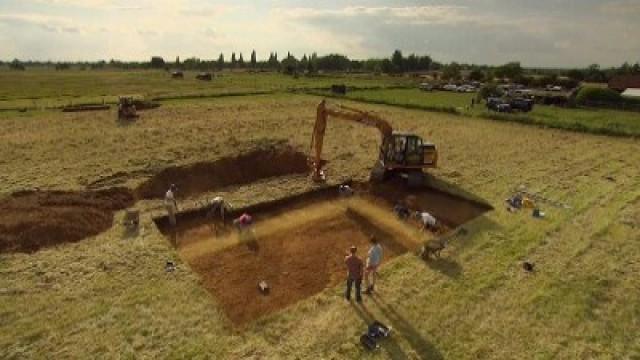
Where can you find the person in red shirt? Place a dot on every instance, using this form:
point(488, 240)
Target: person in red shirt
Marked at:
point(354, 273)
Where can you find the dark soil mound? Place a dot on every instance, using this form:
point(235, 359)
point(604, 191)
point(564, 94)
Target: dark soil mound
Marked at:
point(30, 220)
point(243, 169)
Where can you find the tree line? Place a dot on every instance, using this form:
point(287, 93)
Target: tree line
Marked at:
point(397, 63)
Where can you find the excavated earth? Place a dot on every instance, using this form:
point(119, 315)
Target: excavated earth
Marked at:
point(30, 220)
point(238, 170)
point(299, 242)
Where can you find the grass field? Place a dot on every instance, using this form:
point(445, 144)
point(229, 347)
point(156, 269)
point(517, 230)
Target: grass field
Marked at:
point(40, 88)
point(109, 295)
point(611, 122)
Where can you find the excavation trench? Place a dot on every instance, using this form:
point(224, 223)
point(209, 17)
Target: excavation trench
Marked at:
point(299, 242)
point(237, 170)
point(31, 220)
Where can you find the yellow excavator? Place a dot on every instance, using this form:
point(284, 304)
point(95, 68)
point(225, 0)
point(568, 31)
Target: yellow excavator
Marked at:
point(402, 153)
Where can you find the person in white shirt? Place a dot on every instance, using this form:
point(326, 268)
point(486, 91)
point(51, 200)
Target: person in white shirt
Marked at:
point(427, 221)
point(170, 204)
point(374, 258)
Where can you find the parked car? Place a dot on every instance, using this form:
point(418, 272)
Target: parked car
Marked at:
point(466, 89)
point(450, 87)
point(426, 87)
point(521, 104)
point(499, 105)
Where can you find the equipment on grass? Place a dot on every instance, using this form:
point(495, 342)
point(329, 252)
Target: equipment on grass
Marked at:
point(399, 152)
point(263, 287)
point(131, 219)
point(126, 108)
point(375, 332)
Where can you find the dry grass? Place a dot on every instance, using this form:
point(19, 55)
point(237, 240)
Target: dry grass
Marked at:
point(109, 296)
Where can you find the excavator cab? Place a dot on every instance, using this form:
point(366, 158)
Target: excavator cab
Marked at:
point(404, 150)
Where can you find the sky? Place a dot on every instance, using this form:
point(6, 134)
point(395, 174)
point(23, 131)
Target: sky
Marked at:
point(541, 33)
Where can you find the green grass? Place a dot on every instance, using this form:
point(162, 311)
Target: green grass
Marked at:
point(598, 121)
point(109, 296)
point(39, 88)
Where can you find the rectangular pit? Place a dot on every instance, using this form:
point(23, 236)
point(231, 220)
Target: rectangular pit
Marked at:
point(300, 243)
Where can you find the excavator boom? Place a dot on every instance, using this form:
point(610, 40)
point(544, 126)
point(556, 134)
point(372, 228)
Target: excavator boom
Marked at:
point(398, 151)
point(345, 113)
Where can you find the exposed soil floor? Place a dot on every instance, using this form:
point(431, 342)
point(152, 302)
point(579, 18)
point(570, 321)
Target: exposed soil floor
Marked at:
point(238, 170)
point(298, 254)
point(30, 220)
point(300, 243)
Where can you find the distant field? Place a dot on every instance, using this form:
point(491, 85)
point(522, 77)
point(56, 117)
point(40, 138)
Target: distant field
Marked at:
point(39, 88)
point(611, 122)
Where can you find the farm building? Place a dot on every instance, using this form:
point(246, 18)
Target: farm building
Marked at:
point(621, 83)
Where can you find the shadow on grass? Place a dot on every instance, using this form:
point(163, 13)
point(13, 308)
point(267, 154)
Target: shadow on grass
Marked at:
point(442, 185)
point(401, 328)
point(446, 266)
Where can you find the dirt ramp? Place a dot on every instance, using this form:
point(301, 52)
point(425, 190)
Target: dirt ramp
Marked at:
point(30, 220)
point(243, 169)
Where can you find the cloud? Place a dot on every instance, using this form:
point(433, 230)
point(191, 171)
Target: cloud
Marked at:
point(48, 23)
point(435, 14)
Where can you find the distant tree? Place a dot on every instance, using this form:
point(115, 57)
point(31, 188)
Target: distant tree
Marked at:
point(489, 90)
point(386, 66)
point(594, 74)
point(575, 74)
point(397, 61)
point(233, 60)
point(333, 62)
point(510, 70)
point(411, 63)
point(177, 60)
point(289, 65)
point(157, 62)
point(424, 63)
point(451, 71)
point(303, 63)
point(221, 61)
point(16, 65)
point(62, 66)
point(253, 59)
point(241, 61)
point(273, 62)
point(476, 75)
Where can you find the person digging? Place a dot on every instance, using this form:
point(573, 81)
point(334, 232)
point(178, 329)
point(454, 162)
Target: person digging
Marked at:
point(427, 221)
point(243, 224)
point(374, 259)
point(354, 274)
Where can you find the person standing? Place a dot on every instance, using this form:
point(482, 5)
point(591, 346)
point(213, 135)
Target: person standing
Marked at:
point(374, 259)
point(354, 273)
point(170, 204)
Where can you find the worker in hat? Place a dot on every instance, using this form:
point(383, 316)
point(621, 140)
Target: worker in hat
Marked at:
point(170, 204)
point(354, 273)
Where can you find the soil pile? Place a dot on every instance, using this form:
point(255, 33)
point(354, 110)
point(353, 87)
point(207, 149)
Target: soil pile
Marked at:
point(30, 220)
point(243, 169)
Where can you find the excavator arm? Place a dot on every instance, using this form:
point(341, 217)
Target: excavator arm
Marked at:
point(346, 113)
